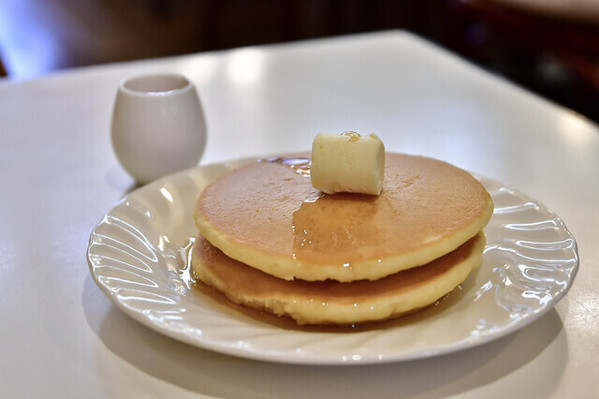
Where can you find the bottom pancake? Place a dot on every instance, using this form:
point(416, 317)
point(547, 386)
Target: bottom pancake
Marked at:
point(331, 302)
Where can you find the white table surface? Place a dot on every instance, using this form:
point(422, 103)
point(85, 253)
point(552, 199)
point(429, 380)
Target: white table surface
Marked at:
point(61, 337)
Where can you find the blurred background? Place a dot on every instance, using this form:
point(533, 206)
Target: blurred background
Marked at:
point(550, 47)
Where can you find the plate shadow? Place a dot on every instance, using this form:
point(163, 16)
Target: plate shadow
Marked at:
point(214, 374)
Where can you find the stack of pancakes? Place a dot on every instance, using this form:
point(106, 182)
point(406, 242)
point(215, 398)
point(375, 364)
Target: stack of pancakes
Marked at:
point(271, 241)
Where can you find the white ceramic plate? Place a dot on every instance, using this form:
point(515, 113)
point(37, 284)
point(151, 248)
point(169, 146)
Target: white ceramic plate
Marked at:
point(138, 255)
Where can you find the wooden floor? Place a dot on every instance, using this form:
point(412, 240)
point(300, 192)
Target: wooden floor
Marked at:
point(41, 36)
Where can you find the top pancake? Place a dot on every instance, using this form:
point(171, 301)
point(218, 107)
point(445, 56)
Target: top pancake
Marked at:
point(268, 216)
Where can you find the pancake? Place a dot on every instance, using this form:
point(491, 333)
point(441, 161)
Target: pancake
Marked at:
point(268, 216)
point(332, 302)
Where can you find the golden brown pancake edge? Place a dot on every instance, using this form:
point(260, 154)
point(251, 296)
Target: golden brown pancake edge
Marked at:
point(266, 195)
point(332, 302)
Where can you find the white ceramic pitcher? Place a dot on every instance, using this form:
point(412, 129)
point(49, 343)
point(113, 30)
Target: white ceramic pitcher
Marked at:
point(158, 126)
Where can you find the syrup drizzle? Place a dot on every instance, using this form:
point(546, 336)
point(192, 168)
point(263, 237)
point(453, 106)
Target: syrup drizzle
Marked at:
point(300, 165)
point(308, 237)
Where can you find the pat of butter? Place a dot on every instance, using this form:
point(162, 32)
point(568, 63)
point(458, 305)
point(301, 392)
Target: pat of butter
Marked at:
point(348, 162)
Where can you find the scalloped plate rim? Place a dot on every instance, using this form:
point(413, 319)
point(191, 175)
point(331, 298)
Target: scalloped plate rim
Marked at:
point(337, 358)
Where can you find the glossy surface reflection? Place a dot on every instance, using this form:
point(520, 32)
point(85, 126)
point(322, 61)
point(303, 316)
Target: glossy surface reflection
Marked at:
point(138, 255)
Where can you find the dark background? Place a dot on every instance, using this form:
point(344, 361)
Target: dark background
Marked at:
point(551, 53)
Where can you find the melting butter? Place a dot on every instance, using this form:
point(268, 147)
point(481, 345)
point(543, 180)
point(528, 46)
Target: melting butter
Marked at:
point(348, 163)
